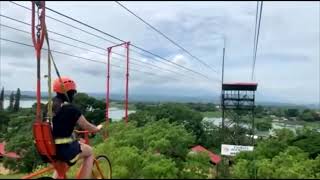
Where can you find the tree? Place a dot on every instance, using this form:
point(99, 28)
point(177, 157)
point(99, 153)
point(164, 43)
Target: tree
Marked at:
point(292, 112)
point(284, 156)
point(155, 150)
point(83, 101)
point(309, 141)
point(309, 115)
point(17, 101)
point(179, 113)
point(20, 140)
point(197, 166)
point(141, 117)
point(2, 100)
point(212, 136)
point(264, 125)
point(158, 167)
point(4, 120)
point(292, 163)
point(259, 111)
point(11, 102)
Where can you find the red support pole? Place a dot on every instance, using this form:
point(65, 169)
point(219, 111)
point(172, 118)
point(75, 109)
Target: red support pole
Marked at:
point(127, 83)
point(37, 39)
point(108, 81)
point(108, 87)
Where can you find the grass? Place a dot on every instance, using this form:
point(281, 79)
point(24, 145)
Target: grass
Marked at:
point(11, 176)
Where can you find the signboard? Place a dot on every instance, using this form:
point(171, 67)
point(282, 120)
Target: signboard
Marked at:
point(232, 150)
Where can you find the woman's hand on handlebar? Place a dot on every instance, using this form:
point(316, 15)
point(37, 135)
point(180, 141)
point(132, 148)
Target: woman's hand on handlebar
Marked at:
point(99, 127)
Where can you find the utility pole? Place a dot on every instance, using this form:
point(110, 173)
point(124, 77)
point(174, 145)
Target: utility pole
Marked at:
point(222, 104)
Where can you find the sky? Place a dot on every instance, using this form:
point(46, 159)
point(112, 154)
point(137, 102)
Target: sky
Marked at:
point(287, 64)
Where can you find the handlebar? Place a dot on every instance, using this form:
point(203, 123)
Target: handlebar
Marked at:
point(83, 132)
point(86, 135)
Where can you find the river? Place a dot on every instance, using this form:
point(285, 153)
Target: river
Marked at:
point(114, 113)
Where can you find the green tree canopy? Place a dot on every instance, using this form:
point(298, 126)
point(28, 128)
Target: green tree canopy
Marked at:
point(11, 102)
point(16, 105)
point(2, 99)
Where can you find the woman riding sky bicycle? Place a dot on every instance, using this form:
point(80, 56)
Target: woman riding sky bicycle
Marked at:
point(65, 117)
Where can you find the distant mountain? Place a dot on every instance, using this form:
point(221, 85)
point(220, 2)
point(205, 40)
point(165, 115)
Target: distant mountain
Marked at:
point(173, 98)
point(157, 98)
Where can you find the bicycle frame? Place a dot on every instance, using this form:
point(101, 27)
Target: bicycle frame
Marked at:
point(61, 167)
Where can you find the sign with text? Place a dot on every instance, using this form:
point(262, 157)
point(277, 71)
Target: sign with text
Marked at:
point(232, 150)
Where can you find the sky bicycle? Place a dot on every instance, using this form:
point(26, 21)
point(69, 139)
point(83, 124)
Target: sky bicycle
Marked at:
point(101, 167)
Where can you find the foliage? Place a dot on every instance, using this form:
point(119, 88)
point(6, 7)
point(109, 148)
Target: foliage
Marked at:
point(309, 141)
point(202, 107)
point(19, 140)
point(212, 136)
point(2, 99)
point(174, 112)
point(284, 156)
point(291, 163)
point(155, 150)
point(16, 105)
point(4, 121)
point(11, 102)
point(197, 166)
point(260, 111)
point(93, 109)
point(309, 115)
point(292, 112)
point(264, 125)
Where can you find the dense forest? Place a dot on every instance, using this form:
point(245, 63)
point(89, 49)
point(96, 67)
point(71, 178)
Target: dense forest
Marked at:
point(159, 137)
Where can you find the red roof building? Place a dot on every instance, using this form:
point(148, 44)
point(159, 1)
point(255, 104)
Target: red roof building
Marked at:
point(213, 157)
point(3, 153)
point(2, 149)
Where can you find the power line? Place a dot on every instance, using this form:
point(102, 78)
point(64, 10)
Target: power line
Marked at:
point(165, 36)
point(84, 24)
point(79, 57)
point(255, 35)
point(141, 49)
point(61, 42)
point(257, 41)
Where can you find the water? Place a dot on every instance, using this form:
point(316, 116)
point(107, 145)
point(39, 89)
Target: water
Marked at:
point(25, 103)
point(115, 113)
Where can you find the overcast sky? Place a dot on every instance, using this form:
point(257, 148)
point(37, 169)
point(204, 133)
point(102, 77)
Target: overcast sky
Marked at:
point(287, 67)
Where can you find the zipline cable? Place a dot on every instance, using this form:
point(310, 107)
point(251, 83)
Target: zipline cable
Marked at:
point(133, 59)
point(62, 35)
point(137, 47)
point(166, 37)
point(257, 41)
point(79, 57)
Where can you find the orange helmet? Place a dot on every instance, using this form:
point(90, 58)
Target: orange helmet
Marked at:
point(68, 83)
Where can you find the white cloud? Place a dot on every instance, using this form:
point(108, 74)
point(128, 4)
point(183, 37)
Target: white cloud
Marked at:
point(287, 64)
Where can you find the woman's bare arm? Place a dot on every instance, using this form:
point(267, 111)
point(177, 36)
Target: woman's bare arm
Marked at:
point(83, 123)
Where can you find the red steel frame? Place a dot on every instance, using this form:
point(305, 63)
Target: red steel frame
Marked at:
point(126, 44)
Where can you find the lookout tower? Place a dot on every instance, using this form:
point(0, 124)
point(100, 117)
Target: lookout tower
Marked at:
point(238, 101)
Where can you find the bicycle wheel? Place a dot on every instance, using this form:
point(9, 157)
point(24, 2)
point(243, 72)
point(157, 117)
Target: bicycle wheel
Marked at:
point(102, 168)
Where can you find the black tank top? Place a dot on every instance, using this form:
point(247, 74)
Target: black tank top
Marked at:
point(64, 120)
